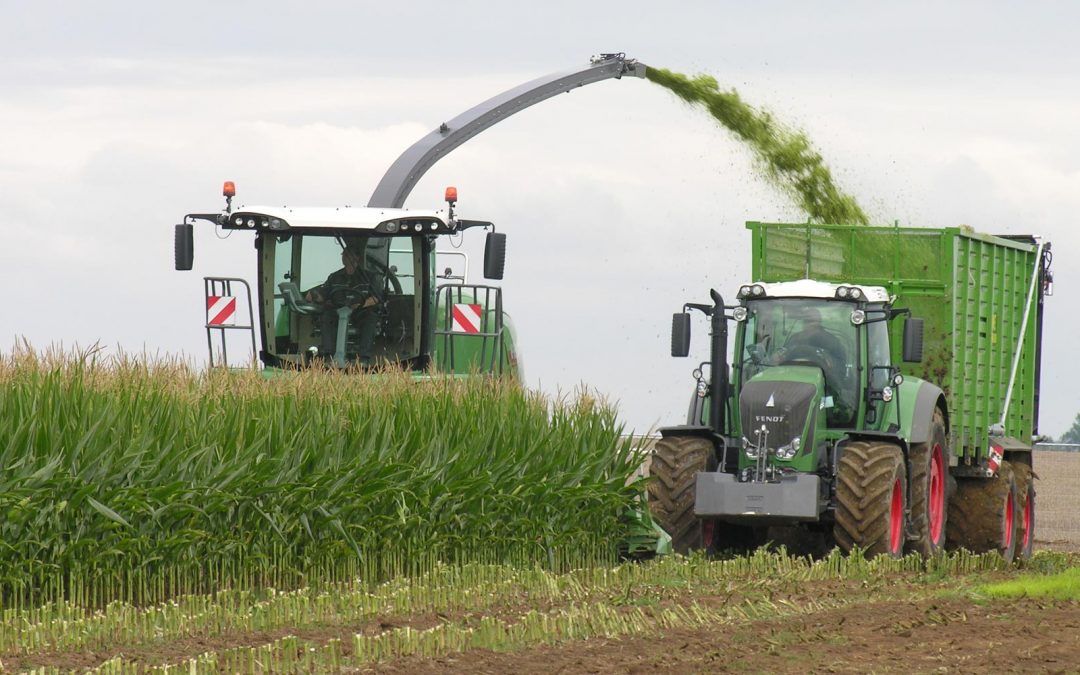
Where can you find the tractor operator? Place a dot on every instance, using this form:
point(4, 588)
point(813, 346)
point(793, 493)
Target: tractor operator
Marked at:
point(355, 286)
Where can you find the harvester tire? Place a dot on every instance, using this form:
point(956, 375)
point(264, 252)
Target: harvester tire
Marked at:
point(929, 497)
point(871, 499)
point(983, 513)
point(1025, 521)
point(676, 462)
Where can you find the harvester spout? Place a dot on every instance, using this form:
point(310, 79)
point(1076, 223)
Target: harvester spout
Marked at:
point(403, 174)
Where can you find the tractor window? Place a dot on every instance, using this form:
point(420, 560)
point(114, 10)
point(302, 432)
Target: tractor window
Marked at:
point(801, 331)
point(877, 334)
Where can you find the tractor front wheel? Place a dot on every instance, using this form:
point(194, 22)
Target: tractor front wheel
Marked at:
point(676, 461)
point(871, 499)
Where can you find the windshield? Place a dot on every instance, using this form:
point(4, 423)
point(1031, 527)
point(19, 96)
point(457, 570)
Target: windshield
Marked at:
point(800, 331)
point(343, 299)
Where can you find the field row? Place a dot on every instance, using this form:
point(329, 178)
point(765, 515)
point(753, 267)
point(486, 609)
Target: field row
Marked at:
point(454, 609)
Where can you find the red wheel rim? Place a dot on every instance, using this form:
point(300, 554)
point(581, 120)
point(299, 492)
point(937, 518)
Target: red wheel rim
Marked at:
point(1029, 519)
point(936, 495)
point(896, 518)
point(1008, 538)
point(708, 533)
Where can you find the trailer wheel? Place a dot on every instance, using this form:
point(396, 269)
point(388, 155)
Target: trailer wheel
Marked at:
point(929, 502)
point(983, 514)
point(871, 499)
point(676, 462)
point(1025, 522)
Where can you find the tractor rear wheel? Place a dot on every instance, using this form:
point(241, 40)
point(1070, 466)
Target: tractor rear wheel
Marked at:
point(676, 462)
point(929, 503)
point(871, 499)
point(982, 514)
point(1025, 522)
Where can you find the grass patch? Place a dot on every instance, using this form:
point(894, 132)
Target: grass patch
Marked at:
point(1061, 586)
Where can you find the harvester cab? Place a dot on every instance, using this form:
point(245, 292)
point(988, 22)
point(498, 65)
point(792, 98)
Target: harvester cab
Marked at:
point(882, 393)
point(361, 287)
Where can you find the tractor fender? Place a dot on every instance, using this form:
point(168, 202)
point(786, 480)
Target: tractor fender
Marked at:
point(726, 450)
point(929, 396)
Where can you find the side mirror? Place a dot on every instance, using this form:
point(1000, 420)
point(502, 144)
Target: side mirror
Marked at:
point(494, 255)
point(913, 340)
point(184, 246)
point(680, 334)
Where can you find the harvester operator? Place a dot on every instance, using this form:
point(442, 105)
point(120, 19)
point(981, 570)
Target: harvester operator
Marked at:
point(355, 286)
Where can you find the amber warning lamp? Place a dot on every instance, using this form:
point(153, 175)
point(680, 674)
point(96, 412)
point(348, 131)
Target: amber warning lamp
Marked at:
point(228, 191)
point(451, 198)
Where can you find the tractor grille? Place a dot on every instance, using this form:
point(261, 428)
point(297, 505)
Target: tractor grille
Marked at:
point(781, 407)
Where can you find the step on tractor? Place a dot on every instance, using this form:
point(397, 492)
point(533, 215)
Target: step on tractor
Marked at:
point(361, 287)
point(882, 396)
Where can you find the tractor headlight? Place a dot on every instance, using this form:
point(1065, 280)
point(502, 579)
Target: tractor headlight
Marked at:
point(744, 292)
point(842, 292)
point(858, 317)
point(886, 394)
point(739, 314)
point(790, 450)
point(757, 290)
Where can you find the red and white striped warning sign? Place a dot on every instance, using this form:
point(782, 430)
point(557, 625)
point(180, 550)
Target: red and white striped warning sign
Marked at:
point(466, 318)
point(220, 310)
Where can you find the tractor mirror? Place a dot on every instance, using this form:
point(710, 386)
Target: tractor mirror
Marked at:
point(913, 340)
point(494, 255)
point(680, 334)
point(185, 246)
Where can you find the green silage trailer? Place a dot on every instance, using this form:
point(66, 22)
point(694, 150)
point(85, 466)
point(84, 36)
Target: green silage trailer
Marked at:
point(883, 391)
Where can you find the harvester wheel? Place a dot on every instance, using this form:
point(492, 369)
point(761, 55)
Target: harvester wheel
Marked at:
point(871, 499)
point(929, 502)
point(676, 462)
point(1025, 522)
point(983, 512)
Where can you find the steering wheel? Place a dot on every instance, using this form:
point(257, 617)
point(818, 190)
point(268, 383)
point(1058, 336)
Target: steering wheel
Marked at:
point(804, 354)
point(341, 295)
point(388, 275)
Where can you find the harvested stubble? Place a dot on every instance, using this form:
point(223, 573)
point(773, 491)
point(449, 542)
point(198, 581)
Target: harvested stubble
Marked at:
point(141, 481)
point(580, 603)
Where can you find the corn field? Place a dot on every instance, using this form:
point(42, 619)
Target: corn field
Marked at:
point(132, 480)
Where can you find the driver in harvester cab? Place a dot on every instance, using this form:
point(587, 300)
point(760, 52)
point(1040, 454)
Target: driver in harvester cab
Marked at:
point(353, 285)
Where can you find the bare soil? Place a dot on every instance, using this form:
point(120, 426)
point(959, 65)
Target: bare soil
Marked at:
point(954, 635)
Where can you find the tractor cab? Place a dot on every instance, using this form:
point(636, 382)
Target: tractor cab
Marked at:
point(360, 287)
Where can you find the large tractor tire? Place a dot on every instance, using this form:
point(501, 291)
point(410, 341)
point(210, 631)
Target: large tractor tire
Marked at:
point(929, 499)
point(676, 462)
point(871, 499)
point(982, 514)
point(1025, 522)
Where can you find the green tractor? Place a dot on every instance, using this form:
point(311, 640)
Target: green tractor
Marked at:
point(844, 416)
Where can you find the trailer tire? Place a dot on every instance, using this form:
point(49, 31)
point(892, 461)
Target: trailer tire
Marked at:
point(676, 461)
point(1025, 521)
point(871, 499)
point(982, 514)
point(929, 496)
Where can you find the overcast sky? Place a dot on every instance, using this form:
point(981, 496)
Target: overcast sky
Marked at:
point(117, 118)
